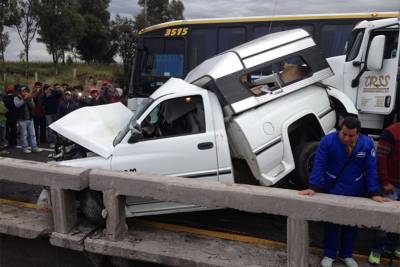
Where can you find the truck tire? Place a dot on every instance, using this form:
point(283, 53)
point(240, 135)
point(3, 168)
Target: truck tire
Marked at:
point(304, 158)
point(91, 205)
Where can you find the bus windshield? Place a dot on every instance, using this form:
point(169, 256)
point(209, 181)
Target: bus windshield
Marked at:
point(163, 57)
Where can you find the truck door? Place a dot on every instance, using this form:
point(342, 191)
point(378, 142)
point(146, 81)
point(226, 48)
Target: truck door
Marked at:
point(177, 139)
point(376, 91)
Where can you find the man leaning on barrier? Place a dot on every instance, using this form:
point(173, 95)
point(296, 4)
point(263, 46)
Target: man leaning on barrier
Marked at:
point(345, 165)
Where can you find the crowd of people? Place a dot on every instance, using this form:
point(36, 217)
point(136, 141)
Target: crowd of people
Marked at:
point(25, 113)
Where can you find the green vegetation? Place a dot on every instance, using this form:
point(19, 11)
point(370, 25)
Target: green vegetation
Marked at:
point(82, 28)
point(86, 74)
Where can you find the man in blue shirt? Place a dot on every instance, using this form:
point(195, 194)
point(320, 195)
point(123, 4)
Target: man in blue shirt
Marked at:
point(345, 165)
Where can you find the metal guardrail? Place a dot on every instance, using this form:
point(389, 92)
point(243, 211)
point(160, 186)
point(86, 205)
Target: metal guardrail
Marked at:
point(64, 181)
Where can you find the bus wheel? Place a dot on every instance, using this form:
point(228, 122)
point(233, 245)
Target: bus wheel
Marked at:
point(304, 160)
point(91, 205)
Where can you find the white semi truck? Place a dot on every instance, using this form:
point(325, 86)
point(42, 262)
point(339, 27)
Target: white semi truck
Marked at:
point(369, 73)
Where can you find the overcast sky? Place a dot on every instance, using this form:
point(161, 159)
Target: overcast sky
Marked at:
point(227, 8)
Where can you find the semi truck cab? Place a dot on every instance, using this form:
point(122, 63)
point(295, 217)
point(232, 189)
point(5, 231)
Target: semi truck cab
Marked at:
point(369, 72)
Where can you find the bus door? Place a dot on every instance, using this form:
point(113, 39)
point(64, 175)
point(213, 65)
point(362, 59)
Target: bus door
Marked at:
point(376, 91)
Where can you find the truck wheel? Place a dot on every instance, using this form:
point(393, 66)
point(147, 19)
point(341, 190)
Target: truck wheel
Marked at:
point(304, 158)
point(91, 205)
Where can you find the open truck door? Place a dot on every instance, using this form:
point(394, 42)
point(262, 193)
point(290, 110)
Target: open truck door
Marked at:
point(376, 82)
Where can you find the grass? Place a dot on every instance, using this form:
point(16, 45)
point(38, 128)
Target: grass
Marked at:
point(86, 74)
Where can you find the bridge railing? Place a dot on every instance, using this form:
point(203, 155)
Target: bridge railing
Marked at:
point(66, 181)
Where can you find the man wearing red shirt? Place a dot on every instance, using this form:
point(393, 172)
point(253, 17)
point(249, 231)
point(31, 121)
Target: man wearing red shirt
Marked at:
point(388, 152)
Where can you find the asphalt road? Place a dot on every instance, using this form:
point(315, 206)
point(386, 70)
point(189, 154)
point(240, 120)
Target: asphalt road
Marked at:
point(256, 225)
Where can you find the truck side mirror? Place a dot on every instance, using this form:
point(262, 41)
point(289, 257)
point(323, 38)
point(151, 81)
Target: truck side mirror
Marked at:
point(375, 53)
point(374, 59)
point(136, 133)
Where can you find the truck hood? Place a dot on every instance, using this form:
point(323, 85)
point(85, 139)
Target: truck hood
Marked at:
point(94, 127)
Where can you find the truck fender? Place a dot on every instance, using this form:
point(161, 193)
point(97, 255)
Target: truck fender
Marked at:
point(342, 99)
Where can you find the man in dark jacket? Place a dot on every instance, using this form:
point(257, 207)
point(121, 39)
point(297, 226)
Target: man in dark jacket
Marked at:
point(51, 102)
point(345, 165)
point(67, 105)
point(24, 106)
point(11, 115)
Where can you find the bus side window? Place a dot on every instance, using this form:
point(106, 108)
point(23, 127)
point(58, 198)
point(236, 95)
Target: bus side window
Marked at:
point(333, 39)
point(263, 30)
point(230, 37)
point(202, 46)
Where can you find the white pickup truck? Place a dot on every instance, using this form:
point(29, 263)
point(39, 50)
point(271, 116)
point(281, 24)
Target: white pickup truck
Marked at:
point(250, 115)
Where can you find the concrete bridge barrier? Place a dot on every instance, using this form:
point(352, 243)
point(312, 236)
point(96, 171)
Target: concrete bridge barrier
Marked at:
point(64, 183)
point(117, 240)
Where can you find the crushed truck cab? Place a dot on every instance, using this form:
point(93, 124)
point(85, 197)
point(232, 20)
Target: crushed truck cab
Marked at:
point(252, 114)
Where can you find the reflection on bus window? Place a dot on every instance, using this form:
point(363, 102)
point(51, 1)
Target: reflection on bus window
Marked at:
point(275, 76)
point(230, 37)
point(333, 39)
point(203, 46)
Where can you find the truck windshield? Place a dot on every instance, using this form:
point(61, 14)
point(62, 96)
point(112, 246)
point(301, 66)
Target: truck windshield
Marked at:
point(160, 59)
point(142, 107)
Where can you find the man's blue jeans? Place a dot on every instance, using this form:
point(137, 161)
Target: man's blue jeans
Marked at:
point(27, 132)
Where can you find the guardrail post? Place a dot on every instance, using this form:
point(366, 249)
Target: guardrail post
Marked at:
point(297, 242)
point(64, 210)
point(116, 227)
